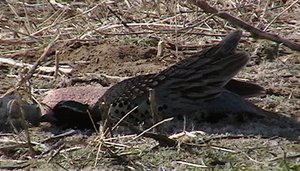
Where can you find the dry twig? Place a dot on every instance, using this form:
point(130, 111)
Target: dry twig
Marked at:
point(34, 67)
point(254, 31)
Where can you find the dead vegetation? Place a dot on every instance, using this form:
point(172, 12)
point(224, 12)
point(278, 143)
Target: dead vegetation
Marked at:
point(65, 40)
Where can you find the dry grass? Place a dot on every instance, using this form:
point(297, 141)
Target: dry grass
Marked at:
point(27, 27)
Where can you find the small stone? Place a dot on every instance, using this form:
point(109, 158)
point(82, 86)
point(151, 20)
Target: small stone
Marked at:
point(83, 94)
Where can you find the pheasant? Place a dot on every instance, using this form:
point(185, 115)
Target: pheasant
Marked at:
point(195, 90)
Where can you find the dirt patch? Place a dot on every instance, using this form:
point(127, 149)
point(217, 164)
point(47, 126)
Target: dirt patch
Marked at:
point(108, 57)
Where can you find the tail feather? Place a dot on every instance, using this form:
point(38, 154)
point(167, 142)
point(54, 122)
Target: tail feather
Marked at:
point(244, 89)
point(228, 104)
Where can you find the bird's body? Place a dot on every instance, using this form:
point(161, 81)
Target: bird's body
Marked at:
point(192, 90)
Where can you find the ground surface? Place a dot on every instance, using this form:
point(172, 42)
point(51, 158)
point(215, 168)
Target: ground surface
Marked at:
point(93, 41)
